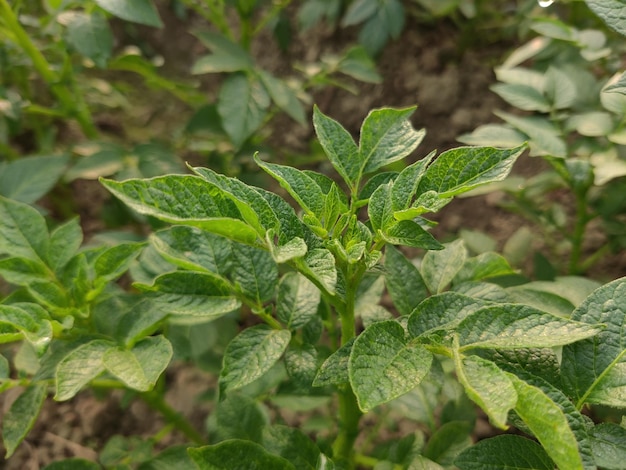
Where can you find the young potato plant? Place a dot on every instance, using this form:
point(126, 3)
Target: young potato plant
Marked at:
point(308, 283)
point(567, 81)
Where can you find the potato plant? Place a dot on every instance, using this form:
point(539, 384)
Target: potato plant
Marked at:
point(308, 281)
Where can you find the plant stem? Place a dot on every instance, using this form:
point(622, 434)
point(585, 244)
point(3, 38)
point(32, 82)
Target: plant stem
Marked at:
point(349, 411)
point(582, 218)
point(68, 97)
point(155, 401)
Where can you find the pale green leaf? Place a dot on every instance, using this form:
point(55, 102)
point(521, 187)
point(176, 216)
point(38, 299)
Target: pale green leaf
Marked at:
point(410, 233)
point(548, 423)
point(297, 300)
point(387, 136)
point(185, 199)
point(192, 295)
point(440, 267)
point(251, 354)
point(339, 146)
point(242, 105)
point(194, 249)
point(255, 272)
point(488, 386)
point(521, 96)
point(227, 56)
point(519, 326)
point(21, 416)
point(507, 451)
point(484, 266)
point(90, 35)
point(31, 320)
point(79, 367)
point(383, 364)
point(237, 454)
point(283, 96)
point(30, 178)
point(441, 311)
point(461, 169)
point(593, 369)
point(294, 248)
point(543, 136)
point(23, 231)
point(560, 88)
point(319, 264)
point(140, 367)
point(406, 183)
point(495, 135)
point(612, 12)
point(380, 208)
point(137, 11)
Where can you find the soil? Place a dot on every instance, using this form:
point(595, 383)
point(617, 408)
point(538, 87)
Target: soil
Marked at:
point(429, 66)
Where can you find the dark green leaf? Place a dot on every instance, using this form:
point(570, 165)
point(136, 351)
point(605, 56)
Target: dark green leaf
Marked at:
point(439, 267)
point(383, 365)
point(608, 442)
point(255, 272)
point(238, 417)
point(237, 454)
point(504, 452)
point(23, 231)
point(251, 354)
point(448, 442)
point(404, 281)
point(293, 445)
point(73, 464)
point(301, 364)
point(409, 233)
point(20, 418)
point(90, 35)
point(115, 261)
point(612, 13)
point(334, 370)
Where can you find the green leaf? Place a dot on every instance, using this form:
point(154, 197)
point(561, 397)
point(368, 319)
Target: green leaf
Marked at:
point(319, 264)
point(79, 367)
point(304, 189)
point(593, 369)
point(334, 370)
point(91, 36)
point(23, 231)
point(251, 354)
point(31, 320)
point(172, 457)
point(65, 240)
point(505, 451)
point(358, 64)
point(297, 300)
point(301, 365)
point(544, 136)
point(140, 317)
point(293, 445)
point(242, 105)
point(186, 200)
point(227, 56)
point(496, 135)
point(359, 11)
point(488, 386)
point(440, 311)
point(20, 418)
point(484, 266)
point(254, 208)
point(519, 326)
point(461, 169)
point(30, 178)
point(23, 271)
point(409, 233)
point(387, 136)
point(283, 97)
point(611, 12)
point(140, 367)
point(522, 96)
point(440, 267)
point(448, 442)
point(115, 261)
point(404, 281)
point(238, 416)
point(548, 423)
point(339, 146)
point(236, 454)
point(195, 296)
point(137, 11)
point(380, 208)
point(383, 365)
point(194, 249)
point(294, 248)
point(255, 272)
point(608, 442)
point(406, 183)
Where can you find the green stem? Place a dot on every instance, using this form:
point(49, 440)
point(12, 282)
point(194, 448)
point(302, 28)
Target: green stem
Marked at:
point(349, 411)
point(68, 97)
point(155, 401)
point(582, 218)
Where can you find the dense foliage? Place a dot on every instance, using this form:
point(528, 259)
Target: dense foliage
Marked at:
point(324, 295)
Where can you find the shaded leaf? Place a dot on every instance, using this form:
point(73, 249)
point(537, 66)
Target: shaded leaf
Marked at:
point(21, 417)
